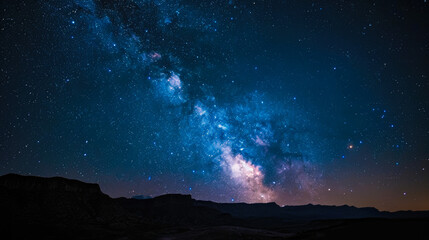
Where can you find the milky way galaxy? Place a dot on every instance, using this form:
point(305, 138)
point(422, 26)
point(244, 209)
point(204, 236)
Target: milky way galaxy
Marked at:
point(294, 102)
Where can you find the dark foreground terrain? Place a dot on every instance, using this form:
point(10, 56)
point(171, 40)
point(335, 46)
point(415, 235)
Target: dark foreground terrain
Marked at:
point(59, 208)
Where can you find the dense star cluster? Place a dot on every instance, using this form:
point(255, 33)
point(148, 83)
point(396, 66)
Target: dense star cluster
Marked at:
point(234, 101)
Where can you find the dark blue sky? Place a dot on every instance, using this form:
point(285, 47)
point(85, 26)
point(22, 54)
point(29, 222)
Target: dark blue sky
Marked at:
point(295, 102)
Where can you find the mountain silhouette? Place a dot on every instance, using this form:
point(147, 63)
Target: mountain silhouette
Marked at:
point(52, 208)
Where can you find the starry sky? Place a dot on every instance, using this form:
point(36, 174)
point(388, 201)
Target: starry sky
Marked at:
point(296, 102)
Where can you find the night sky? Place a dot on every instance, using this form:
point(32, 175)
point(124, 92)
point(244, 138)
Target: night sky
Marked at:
point(297, 102)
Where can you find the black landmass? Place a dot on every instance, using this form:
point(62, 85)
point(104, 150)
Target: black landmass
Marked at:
point(59, 208)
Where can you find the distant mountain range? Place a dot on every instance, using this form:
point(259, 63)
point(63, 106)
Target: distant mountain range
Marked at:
point(141, 197)
point(57, 207)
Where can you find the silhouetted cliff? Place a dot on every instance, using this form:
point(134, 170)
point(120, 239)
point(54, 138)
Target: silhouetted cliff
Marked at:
point(52, 208)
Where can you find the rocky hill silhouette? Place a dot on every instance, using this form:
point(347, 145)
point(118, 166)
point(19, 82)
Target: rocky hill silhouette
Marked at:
point(52, 208)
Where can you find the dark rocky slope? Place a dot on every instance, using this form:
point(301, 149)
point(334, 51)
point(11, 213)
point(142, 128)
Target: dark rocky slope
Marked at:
point(52, 208)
